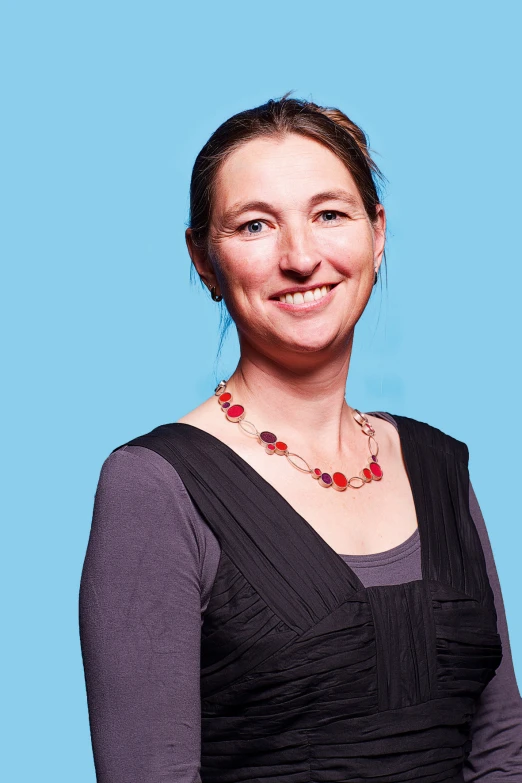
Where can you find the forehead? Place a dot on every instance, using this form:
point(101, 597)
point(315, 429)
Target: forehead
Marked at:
point(277, 168)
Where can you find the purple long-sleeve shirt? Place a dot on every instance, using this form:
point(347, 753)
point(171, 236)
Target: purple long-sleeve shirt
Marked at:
point(148, 573)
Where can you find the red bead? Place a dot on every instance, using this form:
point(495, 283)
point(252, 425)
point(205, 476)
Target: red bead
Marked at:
point(280, 447)
point(316, 473)
point(376, 470)
point(225, 397)
point(340, 481)
point(235, 412)
point(367, 473)
point(270, 448)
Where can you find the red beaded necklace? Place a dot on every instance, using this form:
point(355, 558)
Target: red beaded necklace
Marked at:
point(372, 472)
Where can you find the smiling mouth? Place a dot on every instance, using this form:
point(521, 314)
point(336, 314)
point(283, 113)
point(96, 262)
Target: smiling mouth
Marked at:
point(305, 297)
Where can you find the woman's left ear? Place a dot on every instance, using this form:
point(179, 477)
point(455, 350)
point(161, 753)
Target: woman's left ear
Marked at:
point(379, 234)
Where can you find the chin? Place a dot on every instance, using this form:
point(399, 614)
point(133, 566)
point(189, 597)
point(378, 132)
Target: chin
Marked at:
point(308, 344)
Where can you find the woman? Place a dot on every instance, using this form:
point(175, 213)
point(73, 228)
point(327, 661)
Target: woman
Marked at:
point(241, 622)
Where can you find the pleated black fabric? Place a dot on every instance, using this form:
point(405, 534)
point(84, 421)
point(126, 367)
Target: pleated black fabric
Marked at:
point(306, 675)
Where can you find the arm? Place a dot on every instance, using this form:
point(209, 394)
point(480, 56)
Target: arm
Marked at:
point(496, 753)
point(140, 624)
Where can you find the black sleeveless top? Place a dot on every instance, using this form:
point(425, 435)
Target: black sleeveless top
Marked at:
point(306, 675)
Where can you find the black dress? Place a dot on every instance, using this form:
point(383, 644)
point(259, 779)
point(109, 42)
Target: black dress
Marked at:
point(308, 676)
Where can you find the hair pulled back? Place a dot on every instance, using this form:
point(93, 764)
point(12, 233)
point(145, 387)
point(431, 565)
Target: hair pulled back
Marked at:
point(328, 126)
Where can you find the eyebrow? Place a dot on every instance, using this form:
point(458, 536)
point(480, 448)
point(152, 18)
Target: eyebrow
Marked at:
point(249, 206)
point(263, 206)
point(335, 195)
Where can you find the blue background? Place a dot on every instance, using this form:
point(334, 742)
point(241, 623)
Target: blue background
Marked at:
point(105, 106)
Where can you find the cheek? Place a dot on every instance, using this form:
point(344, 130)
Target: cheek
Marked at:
point(348, 251)
point(249, 266)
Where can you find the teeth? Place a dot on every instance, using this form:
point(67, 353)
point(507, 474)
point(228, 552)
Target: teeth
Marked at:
point(307, 296)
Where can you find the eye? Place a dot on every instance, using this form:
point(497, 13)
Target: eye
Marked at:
point(252, 227)
point(330, 216)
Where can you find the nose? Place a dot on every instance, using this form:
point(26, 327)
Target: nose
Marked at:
point(298, 252)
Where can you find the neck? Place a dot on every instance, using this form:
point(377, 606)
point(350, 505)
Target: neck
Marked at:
point(304, 406)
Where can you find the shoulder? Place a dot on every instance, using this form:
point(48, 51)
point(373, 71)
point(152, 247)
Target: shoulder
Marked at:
point(138, 484)
point(141, 500)
point(427, 435)
point(139, 466)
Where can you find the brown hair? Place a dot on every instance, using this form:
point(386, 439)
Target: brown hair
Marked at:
point(328, 126)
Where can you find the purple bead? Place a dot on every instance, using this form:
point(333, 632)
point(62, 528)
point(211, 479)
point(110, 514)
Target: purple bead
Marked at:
point(374, 457)
point(226, 405)
point(327, 479)
point(267, 437)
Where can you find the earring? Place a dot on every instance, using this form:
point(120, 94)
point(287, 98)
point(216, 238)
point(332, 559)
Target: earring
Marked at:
point(215, 297)
point(375, 279)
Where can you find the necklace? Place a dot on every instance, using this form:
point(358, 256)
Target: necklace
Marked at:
point(372, 472)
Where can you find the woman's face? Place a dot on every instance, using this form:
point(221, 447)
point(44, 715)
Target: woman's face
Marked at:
point(287, 225)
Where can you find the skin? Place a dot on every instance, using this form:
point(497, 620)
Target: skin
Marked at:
point(287, 215)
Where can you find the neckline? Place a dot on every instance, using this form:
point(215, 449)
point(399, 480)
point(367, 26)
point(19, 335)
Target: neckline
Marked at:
point(402, 550)
point(278, 498)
